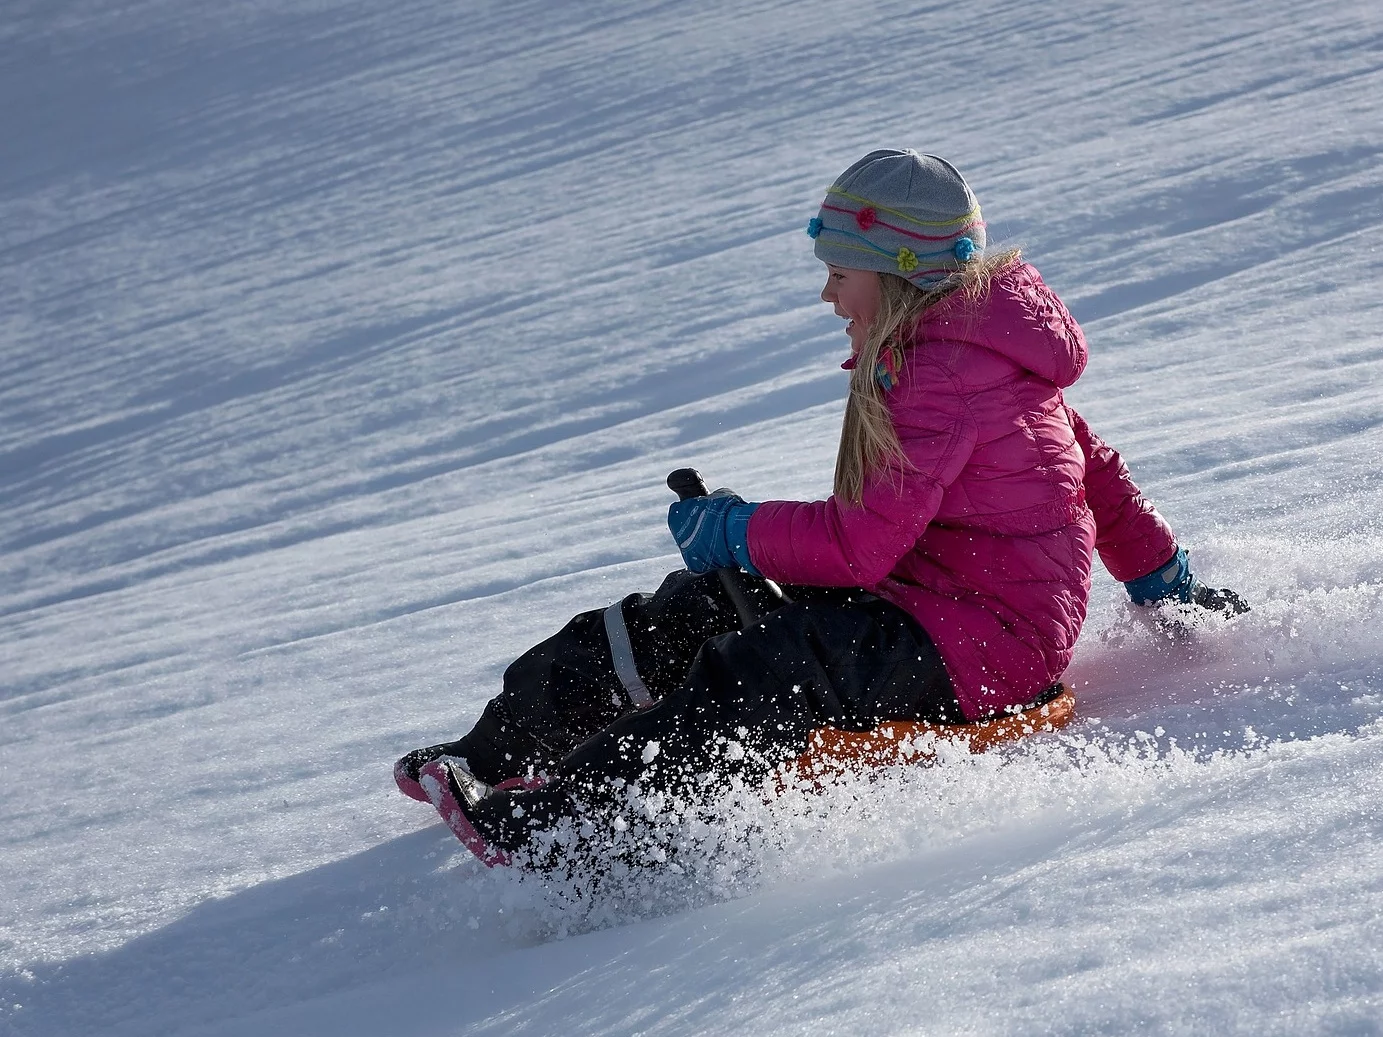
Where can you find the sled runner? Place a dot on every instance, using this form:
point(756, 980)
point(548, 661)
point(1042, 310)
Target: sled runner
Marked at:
point(832, 751)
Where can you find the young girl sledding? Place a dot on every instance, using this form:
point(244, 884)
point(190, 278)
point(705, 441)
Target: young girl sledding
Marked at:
point(945, 579)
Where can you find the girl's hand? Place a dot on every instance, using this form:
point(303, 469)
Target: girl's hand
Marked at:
point(1174, 582)
point(711, 532)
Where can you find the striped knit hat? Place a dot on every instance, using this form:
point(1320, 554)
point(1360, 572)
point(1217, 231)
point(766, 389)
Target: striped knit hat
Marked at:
point(901, 213)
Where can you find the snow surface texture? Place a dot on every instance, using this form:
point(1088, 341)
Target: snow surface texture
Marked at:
point(344, 347)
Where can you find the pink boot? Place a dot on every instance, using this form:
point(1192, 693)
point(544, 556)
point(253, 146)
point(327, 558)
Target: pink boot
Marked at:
point(407, 769)
point(408, 785)
point(451, 789)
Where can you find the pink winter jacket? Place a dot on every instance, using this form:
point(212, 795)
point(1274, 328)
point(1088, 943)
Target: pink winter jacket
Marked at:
point(986, 538)
point(1130, 536)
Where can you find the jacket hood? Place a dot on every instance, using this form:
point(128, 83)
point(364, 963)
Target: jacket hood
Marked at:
point(1021, 319)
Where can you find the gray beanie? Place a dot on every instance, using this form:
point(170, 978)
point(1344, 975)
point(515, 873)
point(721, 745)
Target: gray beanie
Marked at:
point(901, 213)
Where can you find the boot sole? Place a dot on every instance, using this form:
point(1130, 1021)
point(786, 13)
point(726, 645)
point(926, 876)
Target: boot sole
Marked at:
point(436, 782)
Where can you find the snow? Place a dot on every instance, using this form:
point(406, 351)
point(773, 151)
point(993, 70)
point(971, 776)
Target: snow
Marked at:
point(344, 347)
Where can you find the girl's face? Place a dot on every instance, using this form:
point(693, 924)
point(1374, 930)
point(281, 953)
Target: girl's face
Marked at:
point(854, 294)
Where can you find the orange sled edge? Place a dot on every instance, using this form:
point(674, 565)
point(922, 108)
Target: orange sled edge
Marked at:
point(831, 750)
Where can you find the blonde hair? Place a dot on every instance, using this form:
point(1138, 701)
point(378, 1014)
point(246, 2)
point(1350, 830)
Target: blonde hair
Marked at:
point(868, 441)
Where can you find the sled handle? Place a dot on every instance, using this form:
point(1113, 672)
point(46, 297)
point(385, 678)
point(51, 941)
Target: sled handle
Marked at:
point(687, 483)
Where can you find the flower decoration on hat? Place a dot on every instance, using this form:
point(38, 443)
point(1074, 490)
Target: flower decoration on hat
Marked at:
point(866, 217)
point(814, 226)
point(964, 249)
point(907, 260)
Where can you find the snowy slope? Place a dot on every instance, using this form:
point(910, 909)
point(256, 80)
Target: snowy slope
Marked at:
point(344, 347)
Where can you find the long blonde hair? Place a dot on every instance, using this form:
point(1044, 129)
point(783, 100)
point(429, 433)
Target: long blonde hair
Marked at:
point(868, 440)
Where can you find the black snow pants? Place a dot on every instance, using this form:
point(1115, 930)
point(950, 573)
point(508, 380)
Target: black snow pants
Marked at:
point(663, 684)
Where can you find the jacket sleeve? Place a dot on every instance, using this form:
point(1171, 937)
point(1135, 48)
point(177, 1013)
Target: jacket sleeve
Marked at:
point(832, 543)
point(1130, 535)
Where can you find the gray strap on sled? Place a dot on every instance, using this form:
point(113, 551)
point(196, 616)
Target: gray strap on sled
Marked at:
point(623, 654)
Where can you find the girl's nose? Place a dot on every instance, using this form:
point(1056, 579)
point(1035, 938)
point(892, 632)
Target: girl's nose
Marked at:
point(826, 293)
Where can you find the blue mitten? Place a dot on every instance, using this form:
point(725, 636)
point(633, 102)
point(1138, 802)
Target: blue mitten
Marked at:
point(1170, 582)
point(1174, 581)
point(712, 531)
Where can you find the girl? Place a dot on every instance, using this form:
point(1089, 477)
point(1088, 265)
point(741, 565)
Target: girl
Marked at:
point(945, 579)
